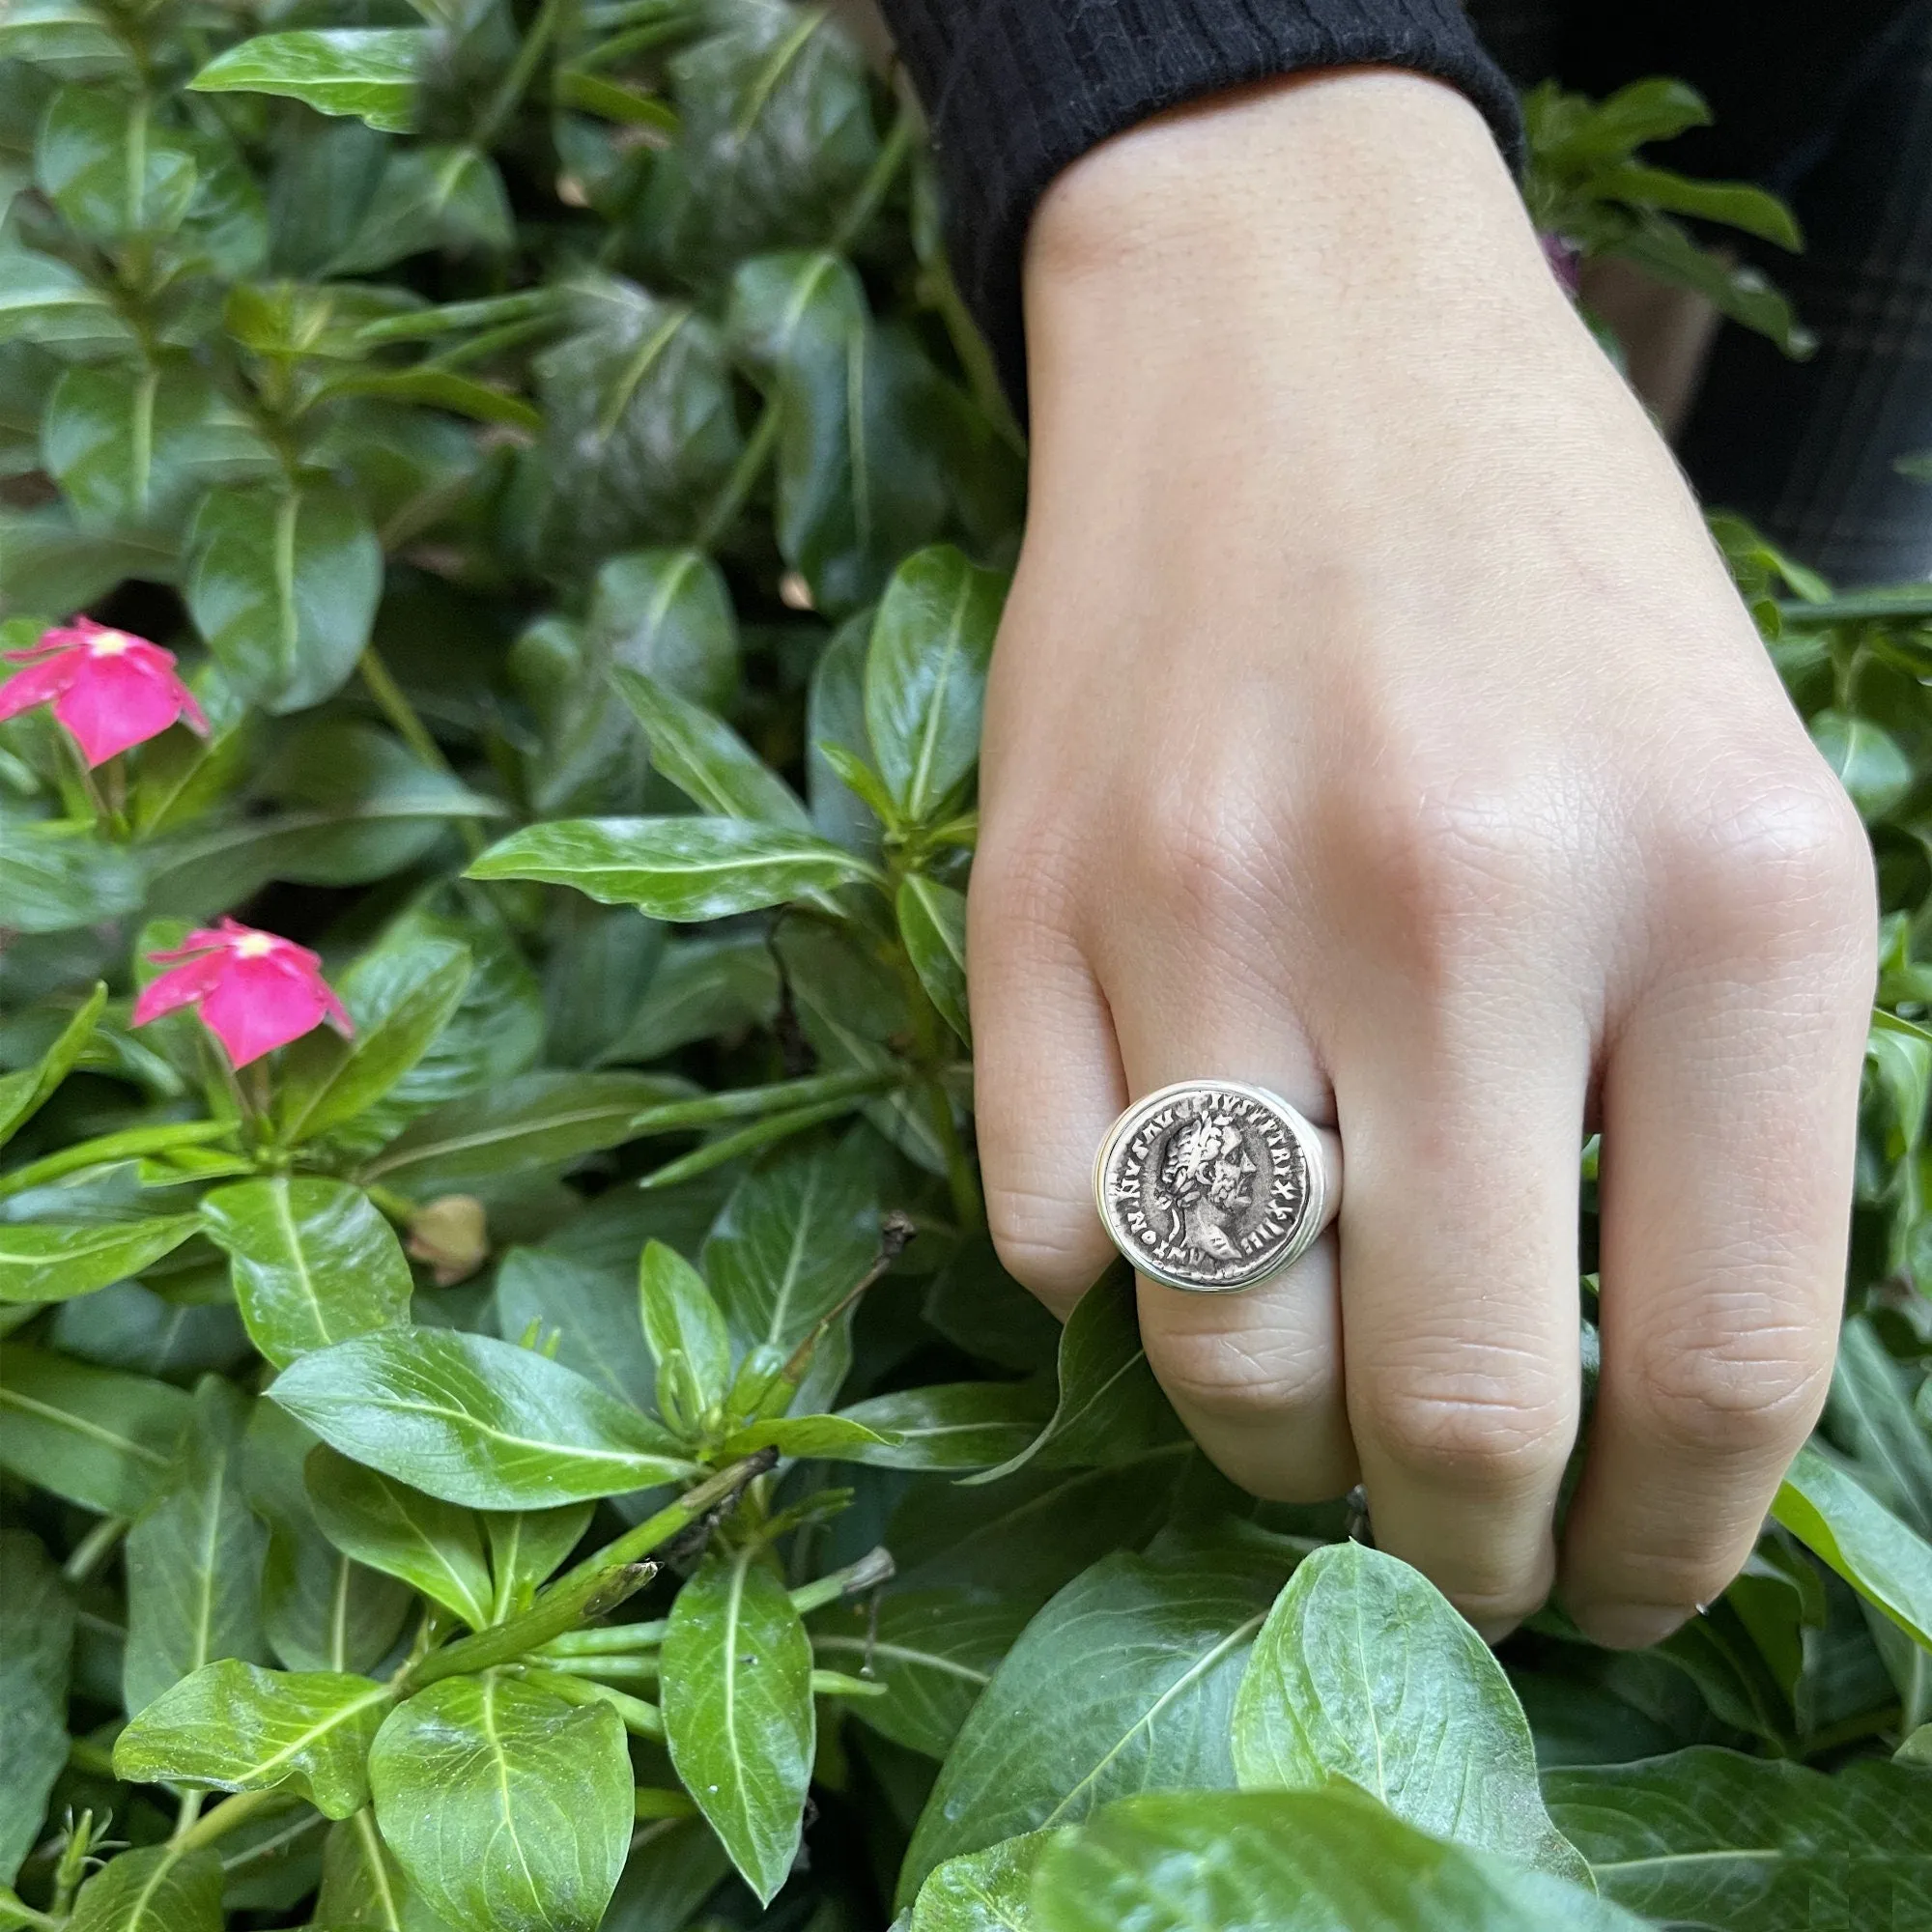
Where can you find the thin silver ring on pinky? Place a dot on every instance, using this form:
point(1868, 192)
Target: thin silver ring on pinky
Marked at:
point(1214, 1185)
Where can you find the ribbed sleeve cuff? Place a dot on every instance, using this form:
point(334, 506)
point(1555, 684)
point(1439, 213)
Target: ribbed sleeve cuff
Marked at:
point(1017, 90)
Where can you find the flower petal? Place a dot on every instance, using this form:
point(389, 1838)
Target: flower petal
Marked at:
point(35, 685)
point(257, 1007)
point(179, 986)
point(113, 702)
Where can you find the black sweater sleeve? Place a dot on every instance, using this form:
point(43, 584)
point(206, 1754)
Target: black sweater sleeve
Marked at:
point(1015, 90)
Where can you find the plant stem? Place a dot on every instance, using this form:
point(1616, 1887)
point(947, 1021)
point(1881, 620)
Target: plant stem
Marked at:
point(875, 1567)
point(223, 1819)
point(94, 1548)
point(188, 1811)
point(634, 1670)
point(640, 1719)
point(551, 1616)
point(606, 1641)
point(392, 701)
point(745, 472)
point(872, 190)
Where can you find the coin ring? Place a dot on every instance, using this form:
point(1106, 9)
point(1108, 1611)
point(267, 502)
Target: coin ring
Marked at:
point(1213, 1185)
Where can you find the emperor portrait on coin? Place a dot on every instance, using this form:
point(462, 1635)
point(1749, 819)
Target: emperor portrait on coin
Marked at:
point(1206, 1186)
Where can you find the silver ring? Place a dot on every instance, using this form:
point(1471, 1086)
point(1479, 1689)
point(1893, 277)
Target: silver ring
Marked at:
point(1213, 1185)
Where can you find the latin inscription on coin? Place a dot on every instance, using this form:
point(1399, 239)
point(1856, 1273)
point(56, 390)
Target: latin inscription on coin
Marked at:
point(1204, 1188)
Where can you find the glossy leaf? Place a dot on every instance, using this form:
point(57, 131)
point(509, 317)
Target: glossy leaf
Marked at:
point(429, 197)
point(1713, 1838)
point(1364, 1671)
point(1125, 1682)
point(327, 1081)
point(935, 1651)
point(952, 1425)
point(738, 1712)
point(681, 1319)
point(667, 616)
point(52, 1263)
point(158, 1890)
point(590, 1312)
point(1295, 1862)
point(1110, 1406)
point(705, 759)
point(431, 1545)
point(313, 1260)
point(283, 587)
point(509, 1809)
point(24, 1092)
point(541, 1120)
point(102, 1439)
point(475, 1421)
point(675, 869)
point(932, 923)
point(110, 167)
point(368, 71)
point(194, 1557)
point(525, 1546)
point(233, 1727)
point(926, 677)
point(1884, 1560)
point(982, 1891)
point(701, 986)
point(54, 880)
point(1871, 1418)
point(36, 1618)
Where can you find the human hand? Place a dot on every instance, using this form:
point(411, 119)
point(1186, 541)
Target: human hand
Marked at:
point(1373, 720)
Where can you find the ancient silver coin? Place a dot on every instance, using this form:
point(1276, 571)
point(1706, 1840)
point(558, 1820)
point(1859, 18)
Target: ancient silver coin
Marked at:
point(1209, 1185)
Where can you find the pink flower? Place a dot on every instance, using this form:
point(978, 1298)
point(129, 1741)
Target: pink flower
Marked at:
point(109, 689)
point(256, 991)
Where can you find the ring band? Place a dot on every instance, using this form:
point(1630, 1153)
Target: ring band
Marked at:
point(1213, 1185)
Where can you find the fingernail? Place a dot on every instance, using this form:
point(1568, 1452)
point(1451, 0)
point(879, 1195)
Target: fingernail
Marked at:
point(1632, 1625)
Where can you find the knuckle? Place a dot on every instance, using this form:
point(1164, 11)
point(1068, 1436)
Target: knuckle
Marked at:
point(1748, 1391)
point(1045, 1243)
point(1490, 1436)
point(1200, 847)
point(1024, 883)
point(1451, 860)
point(1766, 854)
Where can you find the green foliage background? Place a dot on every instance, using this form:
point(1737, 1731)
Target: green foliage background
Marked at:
point(570, 1457)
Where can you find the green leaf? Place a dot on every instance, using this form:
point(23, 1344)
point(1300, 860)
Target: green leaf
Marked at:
point(475, 1421)
point(982, 1891)
point(69, 38)
point(739, 1718)
point(1110, 1406)
point(1735, 204)
point(441, 389)
point(667, 616)
point(1364, 1671)
point(526, 1546)
point(235, 1727)
point(675, 869)
point(932, 923)
point(194, 1557)
point(1293, 1862)
point(54, 878)
point(42, 299)
point(951, 1426)
point(327, 1081)
point(1666, 251)
point(704, 759)
point(675, 1864)
point(1871, 1418)
point(591, 1311)
point(159, 1889)
point(131, 447)
point(1741, 1844)
point(110, 167)
point(1125, 1682)
point(849, 801)
point(362, 1882)
point(541, 1120)
point(1868, 761)
point(509, 1809)
point(368, 71)
point(680, 1318)
point(858, 487)
point(935, 1651)
point(22, 1094)
point(639, 428)
point(49, 1264)
point(701, 986)
point(283, 587)
point(99, 1438)
point(36, 1617)
point(450, 198)
point(431, 1545)
point(926, 677)
point(1879, 1556)
point(313, 1261)
point(833, 1438)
